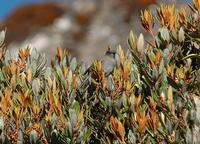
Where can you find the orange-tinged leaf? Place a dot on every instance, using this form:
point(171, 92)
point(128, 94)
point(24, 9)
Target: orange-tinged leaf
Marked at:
point(54, 85)
point(138, 101)
point(98, 66)
point(13, 68)
point(29, 75)
point(8, 94)
point(197, 4)
point(59, 54)
point(37, 128)
point(27, 102)
point(112, 121)
point(65, 71)
point(36, 109)
point(153, 121)
point(21, 53)
point(153, 104)
point(148, 16)
point(154, 117)
point(4, 105)
point(142, 120)
point(118, 128)
point(158, 58)
point(16, 113)
point(27, 52)
point(24, 98)
point(21, 96)
point(128, 85)
point(183, 17)
point(50, 98)
point(58, 109)
point(48, 117)
point(126, 70)
point(147, 20)
point(167, 16)
point(17, 72)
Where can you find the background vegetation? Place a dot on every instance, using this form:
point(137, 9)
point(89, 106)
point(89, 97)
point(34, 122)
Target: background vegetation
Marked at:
point(147, 98)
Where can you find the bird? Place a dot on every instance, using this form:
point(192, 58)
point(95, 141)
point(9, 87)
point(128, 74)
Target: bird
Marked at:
point(109, 61)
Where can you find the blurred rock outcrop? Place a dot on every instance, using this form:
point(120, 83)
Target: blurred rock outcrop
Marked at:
point(85, 27)
point(27, 19)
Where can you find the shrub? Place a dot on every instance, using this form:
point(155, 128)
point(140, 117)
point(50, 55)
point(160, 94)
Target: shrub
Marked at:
point(147, 98)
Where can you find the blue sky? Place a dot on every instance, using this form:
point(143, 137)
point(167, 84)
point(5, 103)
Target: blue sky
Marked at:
point(6, 6)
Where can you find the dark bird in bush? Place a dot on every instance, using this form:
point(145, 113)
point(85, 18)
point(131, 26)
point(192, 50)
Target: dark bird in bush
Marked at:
point(109, 61)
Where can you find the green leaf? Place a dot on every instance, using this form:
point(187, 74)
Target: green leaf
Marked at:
point(192, 56)
point(161, 66)
point(132, 40)
point(69, 129)
point(181, 35)
point(164, 33)
point(76, 107)
point(87, 134)
point(73, 117)
point(2, 37)
point(131, 137)
point(168, 126)
point(108, 101)
point(1, 123)
point(47, 73)
point(33, 137)
point(36, 86)
point(110, 83)
point(189, 137)
point(140, 43)
point(69, 78)
point(73, 64)
point(1, 76)
point(148, 79)
point(82, 68)
point(20, 139)
point(158, 41)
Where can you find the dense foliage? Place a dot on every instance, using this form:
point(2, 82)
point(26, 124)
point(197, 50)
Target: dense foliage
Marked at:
point(147, 98)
